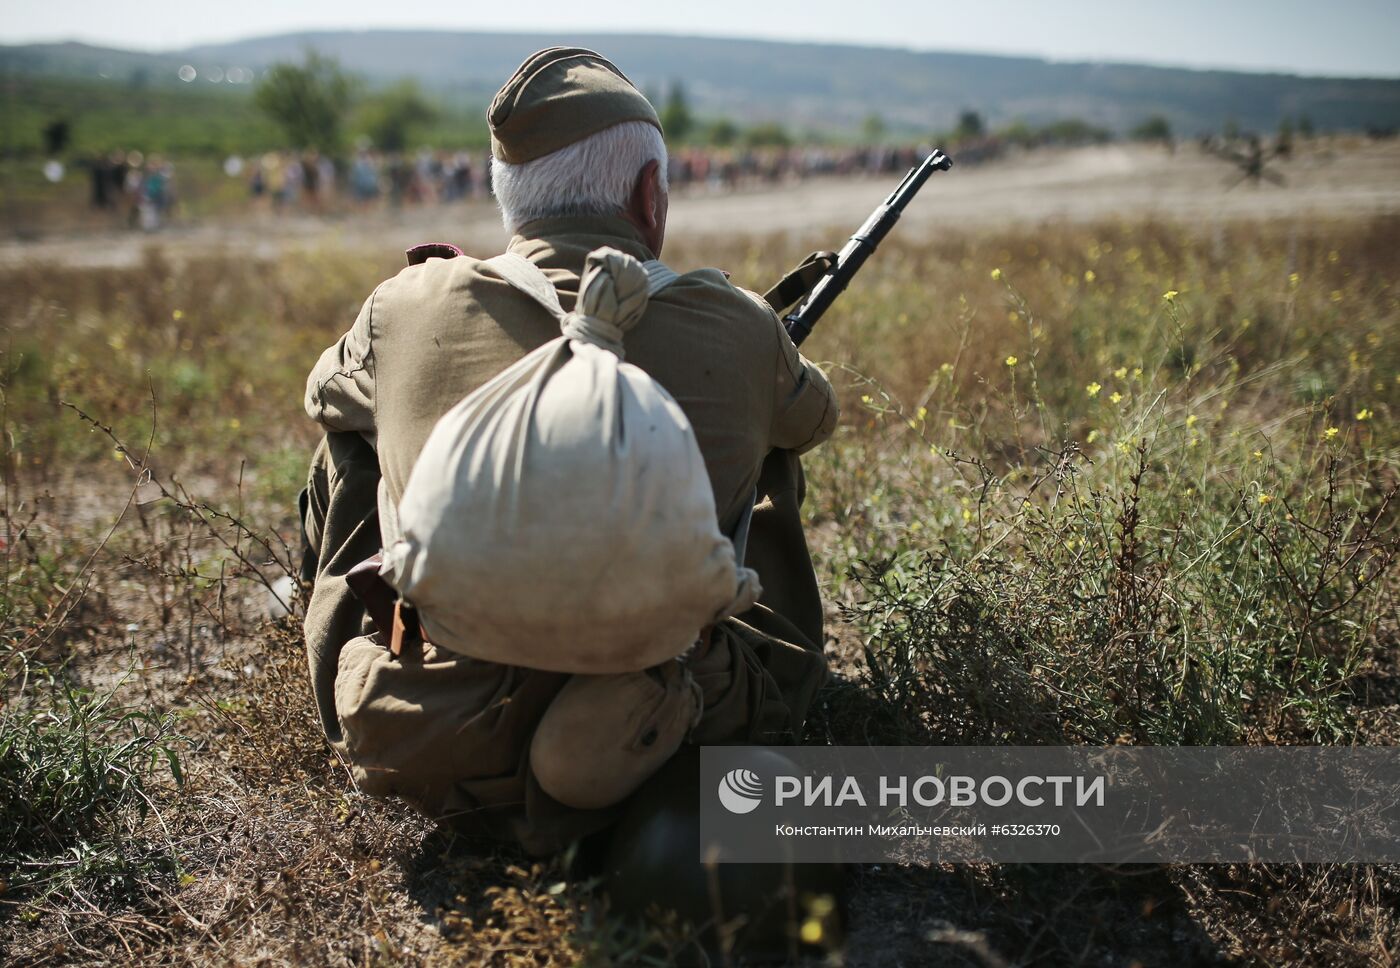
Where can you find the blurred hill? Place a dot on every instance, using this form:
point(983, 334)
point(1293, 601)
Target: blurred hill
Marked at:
point(821, 88)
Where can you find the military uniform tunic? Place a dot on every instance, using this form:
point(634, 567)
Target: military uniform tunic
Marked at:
point(451, 733)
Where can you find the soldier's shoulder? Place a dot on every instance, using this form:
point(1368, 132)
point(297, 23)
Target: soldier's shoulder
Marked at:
point(430, 266)
point(712, 290)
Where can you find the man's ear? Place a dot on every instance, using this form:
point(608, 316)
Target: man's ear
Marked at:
point(646, 208)
point(646, 201)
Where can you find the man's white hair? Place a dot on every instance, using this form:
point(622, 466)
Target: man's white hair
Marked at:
point(594, 176)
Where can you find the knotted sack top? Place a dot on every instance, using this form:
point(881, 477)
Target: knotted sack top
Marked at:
point(612, 297)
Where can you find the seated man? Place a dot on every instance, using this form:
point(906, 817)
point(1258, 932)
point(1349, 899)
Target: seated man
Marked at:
point(579, 163)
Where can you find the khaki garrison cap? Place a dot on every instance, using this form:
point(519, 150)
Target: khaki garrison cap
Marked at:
point(559, 96)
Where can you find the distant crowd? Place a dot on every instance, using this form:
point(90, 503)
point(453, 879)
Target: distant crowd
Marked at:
point(291, 181)
point(730, 168)
point(309, 182)
point(138, 188)
point(142, 189)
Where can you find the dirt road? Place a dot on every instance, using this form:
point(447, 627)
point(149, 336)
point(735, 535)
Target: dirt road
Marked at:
point(1340, 179)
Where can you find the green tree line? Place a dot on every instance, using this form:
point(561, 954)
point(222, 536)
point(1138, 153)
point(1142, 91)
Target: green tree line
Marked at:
point(315, 103)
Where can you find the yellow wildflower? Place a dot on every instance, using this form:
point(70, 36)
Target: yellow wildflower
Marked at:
point(1258, 455)
point(1121, 373)
point(1364, 414)
point(1089, 275)
point(1115, 397)
point(967, 514)
point(1329, 433)
point(1170, 294)
point(1266, 499)
point(923, 413)
point(1093, 436)
point(1137, 372)
point(178, 315)
point(1191, 420)
point(865, 399)
point(1093, 389)
point(1011, 361)
point(996, 274)
point(1293, 280)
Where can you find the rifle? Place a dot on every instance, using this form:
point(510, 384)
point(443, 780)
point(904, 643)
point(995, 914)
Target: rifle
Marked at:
point(824, 275)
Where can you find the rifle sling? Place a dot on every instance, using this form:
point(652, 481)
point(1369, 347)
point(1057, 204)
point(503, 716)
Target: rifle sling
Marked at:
point(799, 282)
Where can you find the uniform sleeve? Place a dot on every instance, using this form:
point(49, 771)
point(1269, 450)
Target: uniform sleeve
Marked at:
point(805, 408)
point(340, 389)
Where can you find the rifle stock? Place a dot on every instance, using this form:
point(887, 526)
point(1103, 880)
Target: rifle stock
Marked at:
point(800, 321)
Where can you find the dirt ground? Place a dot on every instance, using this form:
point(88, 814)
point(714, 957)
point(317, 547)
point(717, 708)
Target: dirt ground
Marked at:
point(1326, 180)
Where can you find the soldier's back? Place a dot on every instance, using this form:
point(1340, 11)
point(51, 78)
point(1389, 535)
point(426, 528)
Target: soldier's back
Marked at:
point(443, 328)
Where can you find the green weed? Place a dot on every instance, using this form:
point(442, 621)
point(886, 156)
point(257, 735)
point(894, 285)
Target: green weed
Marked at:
point(76, 771)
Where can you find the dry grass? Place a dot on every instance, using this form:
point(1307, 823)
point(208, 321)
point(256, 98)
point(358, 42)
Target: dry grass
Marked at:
point(960, 488)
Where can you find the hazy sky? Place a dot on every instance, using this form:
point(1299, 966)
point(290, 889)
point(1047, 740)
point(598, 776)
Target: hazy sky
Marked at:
point(1350, 37)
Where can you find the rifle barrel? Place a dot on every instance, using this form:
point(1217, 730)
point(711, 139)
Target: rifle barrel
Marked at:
point(800, 321)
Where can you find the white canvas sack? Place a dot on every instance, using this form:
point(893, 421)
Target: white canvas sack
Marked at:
point(560, 517)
